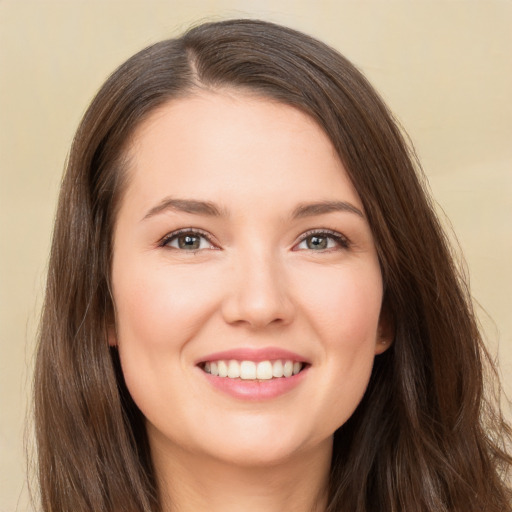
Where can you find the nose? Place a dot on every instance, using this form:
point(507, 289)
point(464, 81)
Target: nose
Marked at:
point(258, 295)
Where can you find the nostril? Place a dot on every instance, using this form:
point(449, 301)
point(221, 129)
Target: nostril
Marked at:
point(245, 310)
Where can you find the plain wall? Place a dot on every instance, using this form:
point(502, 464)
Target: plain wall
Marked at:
point(443, 67)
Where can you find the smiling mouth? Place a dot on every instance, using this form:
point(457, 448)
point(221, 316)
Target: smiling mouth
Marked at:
point(251, 370)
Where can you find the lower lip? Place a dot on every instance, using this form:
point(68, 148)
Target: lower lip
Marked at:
point(256, 390)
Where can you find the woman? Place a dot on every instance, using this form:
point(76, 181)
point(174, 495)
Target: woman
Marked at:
point(251, 304)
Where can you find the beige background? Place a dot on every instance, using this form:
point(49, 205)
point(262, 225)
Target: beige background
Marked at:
point(443, 66)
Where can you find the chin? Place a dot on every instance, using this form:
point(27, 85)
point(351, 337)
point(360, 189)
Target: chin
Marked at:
point(257, 456)
point(265, 445)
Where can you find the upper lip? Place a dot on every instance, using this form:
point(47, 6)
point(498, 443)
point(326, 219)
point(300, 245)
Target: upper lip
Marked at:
point(254, 354)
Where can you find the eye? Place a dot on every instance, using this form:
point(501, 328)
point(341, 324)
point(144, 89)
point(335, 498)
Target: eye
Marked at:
point(322, 241)
point(187, 240)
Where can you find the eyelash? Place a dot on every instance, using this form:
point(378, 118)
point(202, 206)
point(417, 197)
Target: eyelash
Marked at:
point(341, 241)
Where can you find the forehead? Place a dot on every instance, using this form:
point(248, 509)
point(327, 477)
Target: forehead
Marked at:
point(223, 144)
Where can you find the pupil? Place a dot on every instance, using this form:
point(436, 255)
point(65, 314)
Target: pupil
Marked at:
point(318, 242)
point(188, 242)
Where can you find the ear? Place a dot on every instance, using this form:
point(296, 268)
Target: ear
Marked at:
point(110, 321)
point(385, 330)
point(112, 335)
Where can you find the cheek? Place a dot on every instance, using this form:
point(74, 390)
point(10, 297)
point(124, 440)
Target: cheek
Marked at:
point(344, 303)
point(157, 313)
point(344, 309)
point(351, 319)
point(157, 308)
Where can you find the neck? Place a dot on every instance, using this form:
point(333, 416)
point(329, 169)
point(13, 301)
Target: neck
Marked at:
point(190, 482)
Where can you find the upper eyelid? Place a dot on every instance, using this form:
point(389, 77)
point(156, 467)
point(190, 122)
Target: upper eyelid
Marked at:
point(321, 231)
point(329, 232)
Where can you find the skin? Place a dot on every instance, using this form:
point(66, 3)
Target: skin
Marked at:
point(254, 280)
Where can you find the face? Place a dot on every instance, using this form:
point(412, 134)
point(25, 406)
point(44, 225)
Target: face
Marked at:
point(246, 283)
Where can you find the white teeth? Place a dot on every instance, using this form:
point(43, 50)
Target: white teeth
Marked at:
point(223, 368)
point(250, 370)
point(264, 370)
point(277, 369)
point(247, 370)
point(233, 369)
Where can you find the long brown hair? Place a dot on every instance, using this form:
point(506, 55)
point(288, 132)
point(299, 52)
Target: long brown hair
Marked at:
point(424, 438)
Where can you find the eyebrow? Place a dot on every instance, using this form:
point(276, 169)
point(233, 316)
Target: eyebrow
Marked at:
point(323, 207)
point(185, 205)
